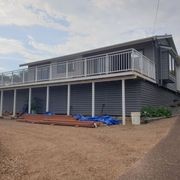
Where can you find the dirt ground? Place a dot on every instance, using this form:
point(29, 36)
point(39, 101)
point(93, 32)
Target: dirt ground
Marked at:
point(41, 152)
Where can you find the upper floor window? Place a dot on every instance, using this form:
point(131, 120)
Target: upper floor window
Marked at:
point(171, 64)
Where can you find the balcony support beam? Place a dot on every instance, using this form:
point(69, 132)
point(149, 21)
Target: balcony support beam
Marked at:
point(29, 104)
point(123, 103)
point(93, 99)
point(68, 100)
point(14, 103)
point(1, 103)
point(47, 99)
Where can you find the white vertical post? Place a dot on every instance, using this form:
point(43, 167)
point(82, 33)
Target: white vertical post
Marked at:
point(85, 67)
point(47, 99)
point(29, 106)
point(67, 69)
point(123, 103)
point(12, 78)
point(14, 103)
point(1, 103)
point(2, 79)
point(141, 65)
point(132, 60)
point(68, 99)
point(23, 77)
point(36, 74)
point(107, 63)
point(93, 99)
point(50, 72)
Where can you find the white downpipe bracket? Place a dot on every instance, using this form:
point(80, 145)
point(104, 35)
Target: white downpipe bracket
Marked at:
point(123, 103)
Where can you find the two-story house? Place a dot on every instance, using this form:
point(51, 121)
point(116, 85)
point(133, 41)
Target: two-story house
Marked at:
point(114, 80)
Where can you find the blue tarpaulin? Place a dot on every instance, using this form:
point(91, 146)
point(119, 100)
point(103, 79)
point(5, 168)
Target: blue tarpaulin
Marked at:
point(108, 120)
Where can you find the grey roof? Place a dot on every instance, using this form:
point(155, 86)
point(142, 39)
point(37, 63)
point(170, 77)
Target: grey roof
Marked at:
point(76, 55)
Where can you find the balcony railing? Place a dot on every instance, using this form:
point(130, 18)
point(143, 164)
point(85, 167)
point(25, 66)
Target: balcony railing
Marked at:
point(116, 62)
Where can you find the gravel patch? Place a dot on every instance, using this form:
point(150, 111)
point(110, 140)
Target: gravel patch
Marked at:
point(40, 152)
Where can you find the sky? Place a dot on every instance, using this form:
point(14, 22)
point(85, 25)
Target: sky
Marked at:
point(33, 30)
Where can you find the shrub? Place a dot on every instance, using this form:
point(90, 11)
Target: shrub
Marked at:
point(150, 111)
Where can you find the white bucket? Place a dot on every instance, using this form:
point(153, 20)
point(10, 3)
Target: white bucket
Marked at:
point(136, 118)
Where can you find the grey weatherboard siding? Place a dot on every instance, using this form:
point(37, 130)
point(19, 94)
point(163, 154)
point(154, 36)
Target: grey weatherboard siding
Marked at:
point(110, 94)
point(22, 99)
point(153, 95)
point(40, 93)
point(139, 93)
point(58, 99)
point(81, 99)
point(8, 101)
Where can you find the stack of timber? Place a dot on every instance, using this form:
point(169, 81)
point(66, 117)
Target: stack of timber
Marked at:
point(61, 120)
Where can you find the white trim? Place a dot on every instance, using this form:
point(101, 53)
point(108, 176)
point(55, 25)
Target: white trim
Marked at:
point(76, 82)
point(50, 72)
point(85, 67)
point(120, 75)
point(93, 99)
point(68, 99)
point(144, 77)
point(67, 69)
point(23, 78)
point(107, 64)
point(1, 103)
point(47, 99)
point(29, 104)
point(36, 74)
point(12, 78)
point(14, 103)
point(123, 103)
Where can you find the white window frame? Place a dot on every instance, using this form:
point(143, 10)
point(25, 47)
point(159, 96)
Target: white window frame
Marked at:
point(171, 64)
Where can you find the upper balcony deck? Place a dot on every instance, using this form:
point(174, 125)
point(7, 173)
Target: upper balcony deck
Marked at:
point(113, 64)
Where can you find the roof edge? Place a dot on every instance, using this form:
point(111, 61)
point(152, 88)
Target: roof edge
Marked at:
point(98, 49)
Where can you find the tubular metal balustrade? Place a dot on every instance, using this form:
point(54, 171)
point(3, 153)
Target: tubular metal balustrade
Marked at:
point(115, 62)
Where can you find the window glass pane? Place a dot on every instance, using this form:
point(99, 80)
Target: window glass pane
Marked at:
point(173, 64)
point(170, 63)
